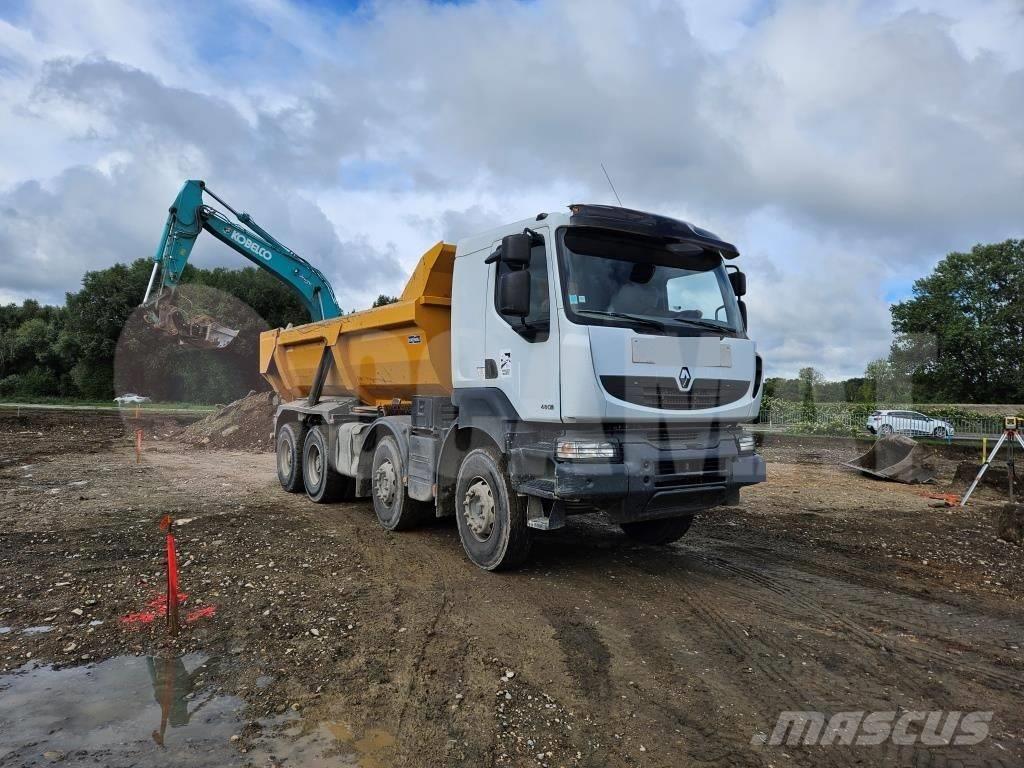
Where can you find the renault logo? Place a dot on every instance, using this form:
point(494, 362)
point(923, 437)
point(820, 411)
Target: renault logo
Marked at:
point(684, 379)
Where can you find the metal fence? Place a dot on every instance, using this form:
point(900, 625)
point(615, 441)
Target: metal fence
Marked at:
point(788, 414)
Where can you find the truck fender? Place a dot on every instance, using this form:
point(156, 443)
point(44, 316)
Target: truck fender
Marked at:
point(397, 427)
point(458, 441)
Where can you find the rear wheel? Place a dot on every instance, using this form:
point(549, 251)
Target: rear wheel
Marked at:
point(491, 517)
point(322, 483)
point(396, 510)
point(940, 432)
point(290, 439)
point(658, 531)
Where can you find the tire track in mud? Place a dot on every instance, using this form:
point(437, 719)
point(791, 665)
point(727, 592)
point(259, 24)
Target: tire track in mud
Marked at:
point(587, 657)
point(761, 653)
point(761, 656)
point(920, 656)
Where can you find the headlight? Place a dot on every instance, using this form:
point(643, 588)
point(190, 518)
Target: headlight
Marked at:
point(577, 450)
point(745, 443)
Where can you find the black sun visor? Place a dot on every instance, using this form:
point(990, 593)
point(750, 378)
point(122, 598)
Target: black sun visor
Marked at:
point(669, 231)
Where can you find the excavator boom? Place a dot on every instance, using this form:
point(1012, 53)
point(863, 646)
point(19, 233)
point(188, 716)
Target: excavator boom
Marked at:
point(187, 218)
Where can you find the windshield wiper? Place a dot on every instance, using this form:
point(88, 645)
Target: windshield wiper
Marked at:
point(703, 324)
point(623, 316)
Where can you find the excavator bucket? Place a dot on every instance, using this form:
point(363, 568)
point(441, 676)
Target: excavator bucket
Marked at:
point(897, 458)
point(191, 329)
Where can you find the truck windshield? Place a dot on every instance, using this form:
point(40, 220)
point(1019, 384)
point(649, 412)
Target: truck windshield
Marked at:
point(611, 278)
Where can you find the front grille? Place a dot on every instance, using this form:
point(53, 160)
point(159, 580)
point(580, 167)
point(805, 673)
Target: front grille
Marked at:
point(684, 472)
point(663, 392)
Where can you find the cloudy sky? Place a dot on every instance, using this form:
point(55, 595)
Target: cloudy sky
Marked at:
point(844, 146)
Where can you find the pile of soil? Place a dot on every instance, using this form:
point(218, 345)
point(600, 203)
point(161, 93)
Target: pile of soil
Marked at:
point(1010, 523)
point(997, 476)
point(244, 425)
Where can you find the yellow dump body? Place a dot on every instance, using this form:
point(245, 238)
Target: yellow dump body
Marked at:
point(394, 351)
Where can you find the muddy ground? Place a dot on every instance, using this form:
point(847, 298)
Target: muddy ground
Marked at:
point(334, 642)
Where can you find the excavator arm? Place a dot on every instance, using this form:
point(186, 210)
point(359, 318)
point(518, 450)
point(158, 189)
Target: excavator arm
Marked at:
point(187, 218)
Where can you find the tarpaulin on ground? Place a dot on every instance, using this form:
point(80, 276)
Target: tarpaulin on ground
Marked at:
point(897, 458)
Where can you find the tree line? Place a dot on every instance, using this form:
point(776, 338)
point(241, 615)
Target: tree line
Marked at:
point(77, 350)
point(958, 339)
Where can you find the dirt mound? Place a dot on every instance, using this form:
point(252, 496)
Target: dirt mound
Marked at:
point(1010, 523)
point(244, 425)
point(997, 476)
point(899, 458)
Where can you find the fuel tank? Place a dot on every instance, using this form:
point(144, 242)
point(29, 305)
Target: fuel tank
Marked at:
point(381, 355)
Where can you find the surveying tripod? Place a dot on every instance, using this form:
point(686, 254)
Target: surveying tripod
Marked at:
point(1011, 433)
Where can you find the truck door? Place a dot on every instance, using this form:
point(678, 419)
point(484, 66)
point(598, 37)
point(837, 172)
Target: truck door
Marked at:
point(525, 351)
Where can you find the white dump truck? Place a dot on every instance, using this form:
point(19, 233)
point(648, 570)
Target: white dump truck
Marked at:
point(580, 362)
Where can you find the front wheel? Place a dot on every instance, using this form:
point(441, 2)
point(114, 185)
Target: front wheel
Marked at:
point(658, 531)
point(940, 432)
point(491, 517)
point(885, 429)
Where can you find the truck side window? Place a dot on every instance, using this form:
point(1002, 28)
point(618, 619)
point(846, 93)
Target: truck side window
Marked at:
point(535, 326)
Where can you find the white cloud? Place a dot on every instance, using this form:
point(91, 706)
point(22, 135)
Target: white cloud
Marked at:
point(842, 145)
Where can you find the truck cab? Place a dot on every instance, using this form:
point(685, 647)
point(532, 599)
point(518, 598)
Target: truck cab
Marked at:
point(596, 360)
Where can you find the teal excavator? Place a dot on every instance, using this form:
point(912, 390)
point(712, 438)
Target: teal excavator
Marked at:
point(188, 217)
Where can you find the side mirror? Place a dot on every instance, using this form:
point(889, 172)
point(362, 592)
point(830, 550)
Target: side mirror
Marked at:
point(743, 312)
point(514, 292)
point(738, 280)
point(515, 249)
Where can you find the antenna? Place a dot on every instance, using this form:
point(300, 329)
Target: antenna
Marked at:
point(610, 184)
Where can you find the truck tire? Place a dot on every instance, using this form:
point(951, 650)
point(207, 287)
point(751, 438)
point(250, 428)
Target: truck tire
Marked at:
point(323, 484)
point(491, 517)
point(396, 510)
point(658, 531)
point(290, 439)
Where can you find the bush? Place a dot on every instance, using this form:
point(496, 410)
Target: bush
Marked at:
point(832, 428)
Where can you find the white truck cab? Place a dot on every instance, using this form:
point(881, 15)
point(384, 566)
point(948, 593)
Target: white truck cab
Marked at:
point(606, 349)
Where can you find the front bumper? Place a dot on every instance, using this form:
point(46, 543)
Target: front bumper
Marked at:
point(655, 479)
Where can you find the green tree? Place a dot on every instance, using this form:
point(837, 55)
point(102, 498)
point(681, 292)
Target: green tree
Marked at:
point(383, 299)
point(809, 379)
point(972, 309)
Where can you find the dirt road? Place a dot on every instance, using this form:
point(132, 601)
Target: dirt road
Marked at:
point(340, 643)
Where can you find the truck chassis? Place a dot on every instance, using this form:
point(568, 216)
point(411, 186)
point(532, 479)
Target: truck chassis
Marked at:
point(470, 457)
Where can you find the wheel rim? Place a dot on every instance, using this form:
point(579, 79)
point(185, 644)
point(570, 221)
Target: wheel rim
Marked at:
point(886, 430)
point(940, 432)
point(285, 460)
point(314, 469)
point(385, 482)
point(478, 509)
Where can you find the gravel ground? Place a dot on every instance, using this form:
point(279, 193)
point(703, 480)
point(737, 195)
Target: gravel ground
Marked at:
point(825, 591)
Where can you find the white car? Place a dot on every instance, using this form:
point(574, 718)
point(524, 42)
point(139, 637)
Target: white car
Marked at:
point(908, 423)
point(130, 398)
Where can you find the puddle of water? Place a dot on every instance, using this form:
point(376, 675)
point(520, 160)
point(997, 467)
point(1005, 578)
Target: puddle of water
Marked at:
point(331, 744)
point(372, 747)
point(152, 711)
point(42, 629)
point(128, 710)
point(4, 630)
